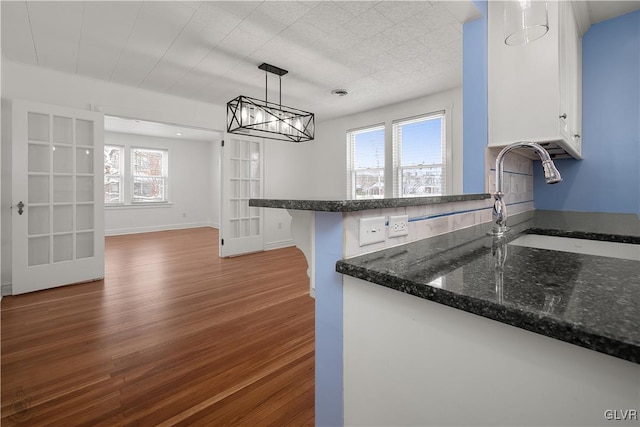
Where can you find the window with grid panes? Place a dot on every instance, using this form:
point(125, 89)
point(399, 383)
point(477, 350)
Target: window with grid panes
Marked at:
point(365, 163)
point(113, 167)
point(149, 175)
point(419, 146)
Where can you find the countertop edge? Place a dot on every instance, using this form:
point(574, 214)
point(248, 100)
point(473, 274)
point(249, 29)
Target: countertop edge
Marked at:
point(603, 237)
point(552, 328)
point(362, 204)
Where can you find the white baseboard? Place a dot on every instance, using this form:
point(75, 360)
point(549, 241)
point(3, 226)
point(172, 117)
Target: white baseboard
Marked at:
point(279, 244)
point(6, 289)
point(150, 229)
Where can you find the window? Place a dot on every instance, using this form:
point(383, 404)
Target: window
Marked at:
point(365, 163)
point(113, 166)
point(419, 156)
point(149, 175)
point(135, 175)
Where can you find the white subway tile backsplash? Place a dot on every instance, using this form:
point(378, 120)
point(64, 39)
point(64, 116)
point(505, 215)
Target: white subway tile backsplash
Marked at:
point(431, 220)
point(485, 216)
point(519, 208)
point(518, 179)
point(463, 220)
point(424, 221)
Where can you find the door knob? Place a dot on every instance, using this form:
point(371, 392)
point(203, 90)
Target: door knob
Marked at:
point(20, 207)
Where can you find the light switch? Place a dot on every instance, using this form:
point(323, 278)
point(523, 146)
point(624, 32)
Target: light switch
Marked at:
point(372, 230)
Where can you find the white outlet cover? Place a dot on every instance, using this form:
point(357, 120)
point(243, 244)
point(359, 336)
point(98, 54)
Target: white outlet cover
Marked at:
point(398, 225)
point(372, 230)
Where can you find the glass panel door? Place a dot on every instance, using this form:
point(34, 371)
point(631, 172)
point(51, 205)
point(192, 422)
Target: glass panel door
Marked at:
point(58, 220)
point(241, 225)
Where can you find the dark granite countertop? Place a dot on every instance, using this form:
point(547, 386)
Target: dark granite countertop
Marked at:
point(586, 300)
point(361, 205)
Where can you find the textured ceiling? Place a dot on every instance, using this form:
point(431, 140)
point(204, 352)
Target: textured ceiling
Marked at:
point(601, 10)
point(163, 130)
point(381, 52)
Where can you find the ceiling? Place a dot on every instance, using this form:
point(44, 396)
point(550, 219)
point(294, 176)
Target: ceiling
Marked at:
point(162, 130)
point(381, 52)
point(606, 9)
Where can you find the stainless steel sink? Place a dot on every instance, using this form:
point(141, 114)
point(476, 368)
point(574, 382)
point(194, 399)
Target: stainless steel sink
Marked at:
point(580, 246)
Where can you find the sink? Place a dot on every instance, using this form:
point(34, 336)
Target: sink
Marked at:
point(580, 246)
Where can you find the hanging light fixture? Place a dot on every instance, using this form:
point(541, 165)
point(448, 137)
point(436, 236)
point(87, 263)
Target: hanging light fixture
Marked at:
point(266, 119)
point(525, 21)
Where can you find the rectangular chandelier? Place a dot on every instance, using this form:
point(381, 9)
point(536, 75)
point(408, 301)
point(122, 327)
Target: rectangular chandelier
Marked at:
point(255, 117)
point(269, 120)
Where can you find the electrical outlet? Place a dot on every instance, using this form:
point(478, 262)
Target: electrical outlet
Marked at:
point(398, 225)
point(371, 230)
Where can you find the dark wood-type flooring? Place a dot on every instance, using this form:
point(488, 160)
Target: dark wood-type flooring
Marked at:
point(173, 335)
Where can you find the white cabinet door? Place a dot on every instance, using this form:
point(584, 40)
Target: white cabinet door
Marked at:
point(241, 226)
point(535, 89)
point(57, 207)
point(570, 46)
point(523, 83)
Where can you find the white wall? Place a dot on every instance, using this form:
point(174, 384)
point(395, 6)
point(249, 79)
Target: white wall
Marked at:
point(215, 180)
point(286, 177)
point(5, 196)
point(326, 156)
point(36, 84)
point(191, 195)
point(409, 361)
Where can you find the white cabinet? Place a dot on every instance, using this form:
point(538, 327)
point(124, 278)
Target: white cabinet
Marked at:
point(535, 90)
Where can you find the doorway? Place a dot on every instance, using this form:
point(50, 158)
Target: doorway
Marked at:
point(160, 176)
point(192, 188)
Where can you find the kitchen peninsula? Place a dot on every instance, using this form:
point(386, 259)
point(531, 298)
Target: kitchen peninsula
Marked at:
point(440, 343)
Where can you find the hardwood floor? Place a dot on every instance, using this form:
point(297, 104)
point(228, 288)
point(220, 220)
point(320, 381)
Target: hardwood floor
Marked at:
point(173, 335)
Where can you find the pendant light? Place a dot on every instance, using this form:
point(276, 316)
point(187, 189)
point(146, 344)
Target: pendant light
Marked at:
point(525, 21)
point(255, 117)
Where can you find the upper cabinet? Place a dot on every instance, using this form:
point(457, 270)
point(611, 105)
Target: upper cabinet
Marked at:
point(535, 89)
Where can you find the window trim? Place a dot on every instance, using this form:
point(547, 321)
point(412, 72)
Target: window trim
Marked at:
point(127, 181)
point(351, 171)
point(445, 114)
point(391, 153)
point(165, 176)
point(122, 174)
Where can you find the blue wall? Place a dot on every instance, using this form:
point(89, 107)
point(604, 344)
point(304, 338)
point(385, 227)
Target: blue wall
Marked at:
point(608, 179)
point(475, 101)
point(328, 376)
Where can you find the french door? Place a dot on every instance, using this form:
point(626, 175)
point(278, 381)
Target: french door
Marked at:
point(241, 226)
point(57, 203)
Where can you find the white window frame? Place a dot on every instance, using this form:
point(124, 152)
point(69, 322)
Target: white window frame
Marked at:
point(351, 170)
point(127, 180)
point(446, 160)
point(392, 170)
point(164, 176)
point(121, 175)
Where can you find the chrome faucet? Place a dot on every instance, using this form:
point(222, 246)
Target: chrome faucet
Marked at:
point(551, 175)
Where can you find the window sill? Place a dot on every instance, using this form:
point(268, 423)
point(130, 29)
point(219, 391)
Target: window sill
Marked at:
point(138, 205)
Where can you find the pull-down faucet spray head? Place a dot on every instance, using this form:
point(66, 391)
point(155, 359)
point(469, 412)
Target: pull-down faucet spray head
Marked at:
point(551, 176)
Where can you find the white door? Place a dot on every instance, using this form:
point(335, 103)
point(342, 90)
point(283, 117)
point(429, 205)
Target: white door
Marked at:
point(241, 226)
point(57, 207)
